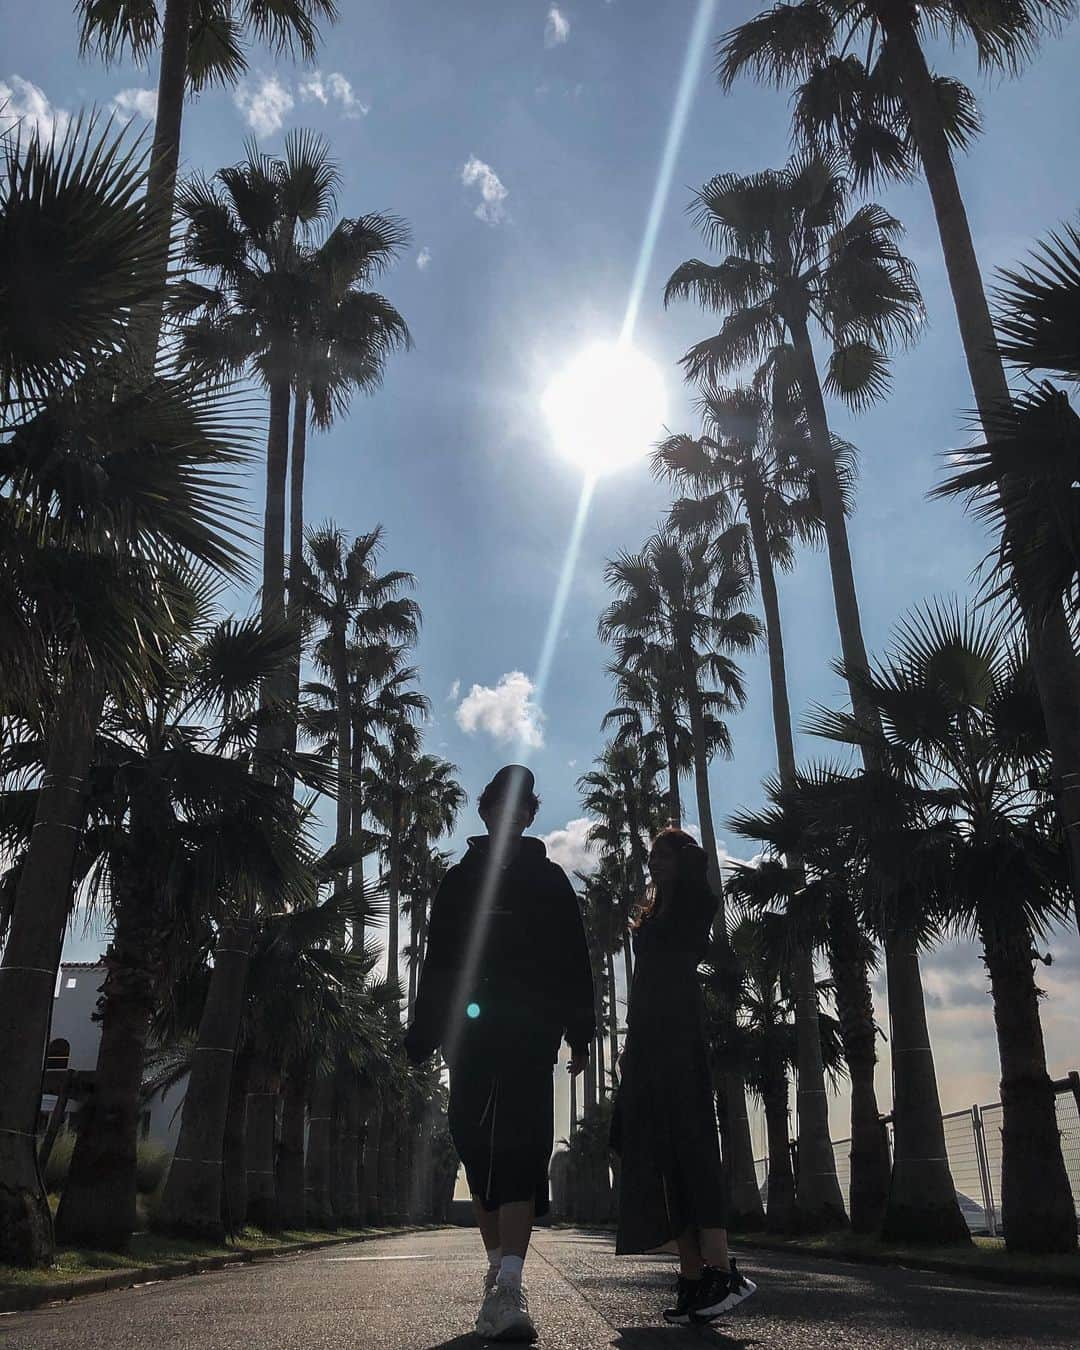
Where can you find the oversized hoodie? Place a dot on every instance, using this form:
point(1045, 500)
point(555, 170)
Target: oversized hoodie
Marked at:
point(531, 981)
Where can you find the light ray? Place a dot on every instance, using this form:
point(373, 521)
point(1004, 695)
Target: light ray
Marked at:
point(465, 993)
point(691, 71)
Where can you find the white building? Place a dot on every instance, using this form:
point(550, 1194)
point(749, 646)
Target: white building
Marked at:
point(73, 1044)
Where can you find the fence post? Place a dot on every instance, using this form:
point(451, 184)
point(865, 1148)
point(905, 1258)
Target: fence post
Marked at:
point(984, 1170)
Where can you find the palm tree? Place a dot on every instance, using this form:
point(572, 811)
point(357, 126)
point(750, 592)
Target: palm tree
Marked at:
point(961, 719)
point(86, 586)
point(202, 44)
point(173, 799)
point(247, 229)
point(622, 797)
point(891, 115)
point(751, 460)
point(672, 595)
point(650, 710)
point(816, 898)
point(794, 252)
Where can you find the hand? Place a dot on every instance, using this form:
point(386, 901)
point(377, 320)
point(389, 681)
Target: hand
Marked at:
point(579, 1062)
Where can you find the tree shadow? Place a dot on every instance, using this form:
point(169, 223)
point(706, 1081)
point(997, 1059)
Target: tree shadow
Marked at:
point(662, 1337)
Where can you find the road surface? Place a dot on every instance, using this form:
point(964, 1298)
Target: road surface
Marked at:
point(420, 1292)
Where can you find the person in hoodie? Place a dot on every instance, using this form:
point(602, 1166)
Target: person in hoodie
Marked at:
point(506, 978)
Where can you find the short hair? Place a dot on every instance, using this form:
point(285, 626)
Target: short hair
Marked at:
point(493, 792)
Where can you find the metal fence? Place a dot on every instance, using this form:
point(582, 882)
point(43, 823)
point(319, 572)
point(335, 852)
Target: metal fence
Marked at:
point(973, 1146)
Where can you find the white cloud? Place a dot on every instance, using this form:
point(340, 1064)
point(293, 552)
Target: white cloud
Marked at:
point(24, 105)
point(492, 192)
point(455, 690)
point(422, 260)
point(321, 88)
point(137, 102)
point(557, 27)
point(265, 103)
point(506, 713)
point(569, 848)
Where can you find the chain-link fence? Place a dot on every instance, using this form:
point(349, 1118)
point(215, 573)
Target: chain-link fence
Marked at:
point(973, 1145)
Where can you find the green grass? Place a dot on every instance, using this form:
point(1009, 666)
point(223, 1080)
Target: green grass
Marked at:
point(986, 1255)
point(151, 1249)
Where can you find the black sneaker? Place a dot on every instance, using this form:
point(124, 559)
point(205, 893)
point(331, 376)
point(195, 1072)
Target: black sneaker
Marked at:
point(687, 1295)
point(720, 1292)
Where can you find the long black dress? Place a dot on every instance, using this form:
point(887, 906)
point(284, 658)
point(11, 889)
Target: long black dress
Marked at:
point(664, 1122)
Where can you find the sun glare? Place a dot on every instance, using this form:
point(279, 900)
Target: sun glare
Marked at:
point(606, 408)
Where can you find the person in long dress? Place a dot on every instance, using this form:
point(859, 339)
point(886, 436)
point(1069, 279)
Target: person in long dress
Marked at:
point(672, 1189)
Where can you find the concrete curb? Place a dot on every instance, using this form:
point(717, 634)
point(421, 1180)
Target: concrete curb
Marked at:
point(25, 1298)
point(934, 1265)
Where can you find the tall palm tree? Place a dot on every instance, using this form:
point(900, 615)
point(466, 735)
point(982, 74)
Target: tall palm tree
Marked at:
point(961, 718)
point(650, 711)
point(202, 44)
point(794, 253)
point(753, 460)
point(673, 595)
point(891, 115)
point(816, 898)
point(87, 533)
point(621, 796)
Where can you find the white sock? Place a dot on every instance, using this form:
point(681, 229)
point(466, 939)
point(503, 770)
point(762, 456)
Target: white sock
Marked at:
point(510, 1269)
point(494, 1257)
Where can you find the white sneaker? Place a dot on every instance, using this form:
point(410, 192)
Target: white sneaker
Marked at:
point(508, 1315)
point(484, 1316)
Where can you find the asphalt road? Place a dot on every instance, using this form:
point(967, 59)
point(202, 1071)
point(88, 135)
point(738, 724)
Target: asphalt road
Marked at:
point(421, 1293)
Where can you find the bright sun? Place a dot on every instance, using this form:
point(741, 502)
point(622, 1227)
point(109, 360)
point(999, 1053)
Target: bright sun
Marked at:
point(606, 408)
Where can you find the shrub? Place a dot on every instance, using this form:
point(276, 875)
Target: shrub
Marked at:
point(56, 1169)
point(152, 1162)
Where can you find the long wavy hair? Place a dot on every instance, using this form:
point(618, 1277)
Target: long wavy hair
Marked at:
point(693, 865)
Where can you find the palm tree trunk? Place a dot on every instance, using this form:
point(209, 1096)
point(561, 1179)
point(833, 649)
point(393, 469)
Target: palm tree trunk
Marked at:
point(394, 889)
point(1037, 1210)
point(290, 1159)
point(821, 1202)
point(191, 1202)
point(701, 785)
point(746, 1211)
point(870, 1161)
point(344, 753)
point(259, 1134)
point(296, 550)
point(671, 750)
point(317, 1174)
point(234, 1149)
point(165, 154)
point(613, 1016)
point(43, 898)
point(356, 819)
point(371, 1180)
point(780, 1211)
point(926, 1187)
point(388, 1166)
point(97, 1208)
point(1053, 658)
point(922, 1203)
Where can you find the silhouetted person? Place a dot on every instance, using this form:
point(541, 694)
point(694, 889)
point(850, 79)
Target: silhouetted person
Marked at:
point(505, 979)
point(671, 1182)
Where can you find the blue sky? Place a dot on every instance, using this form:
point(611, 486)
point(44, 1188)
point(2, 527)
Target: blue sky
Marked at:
point(562, 115)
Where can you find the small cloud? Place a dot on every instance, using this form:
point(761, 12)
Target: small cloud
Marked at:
point(265, 103)
point(422, 260)
point(455, 688)
point(137, 103)
point(569, 847)
point(25, 105)
point(320, 88)
point(493, 194)
point(557, 27)
point(506, 712)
